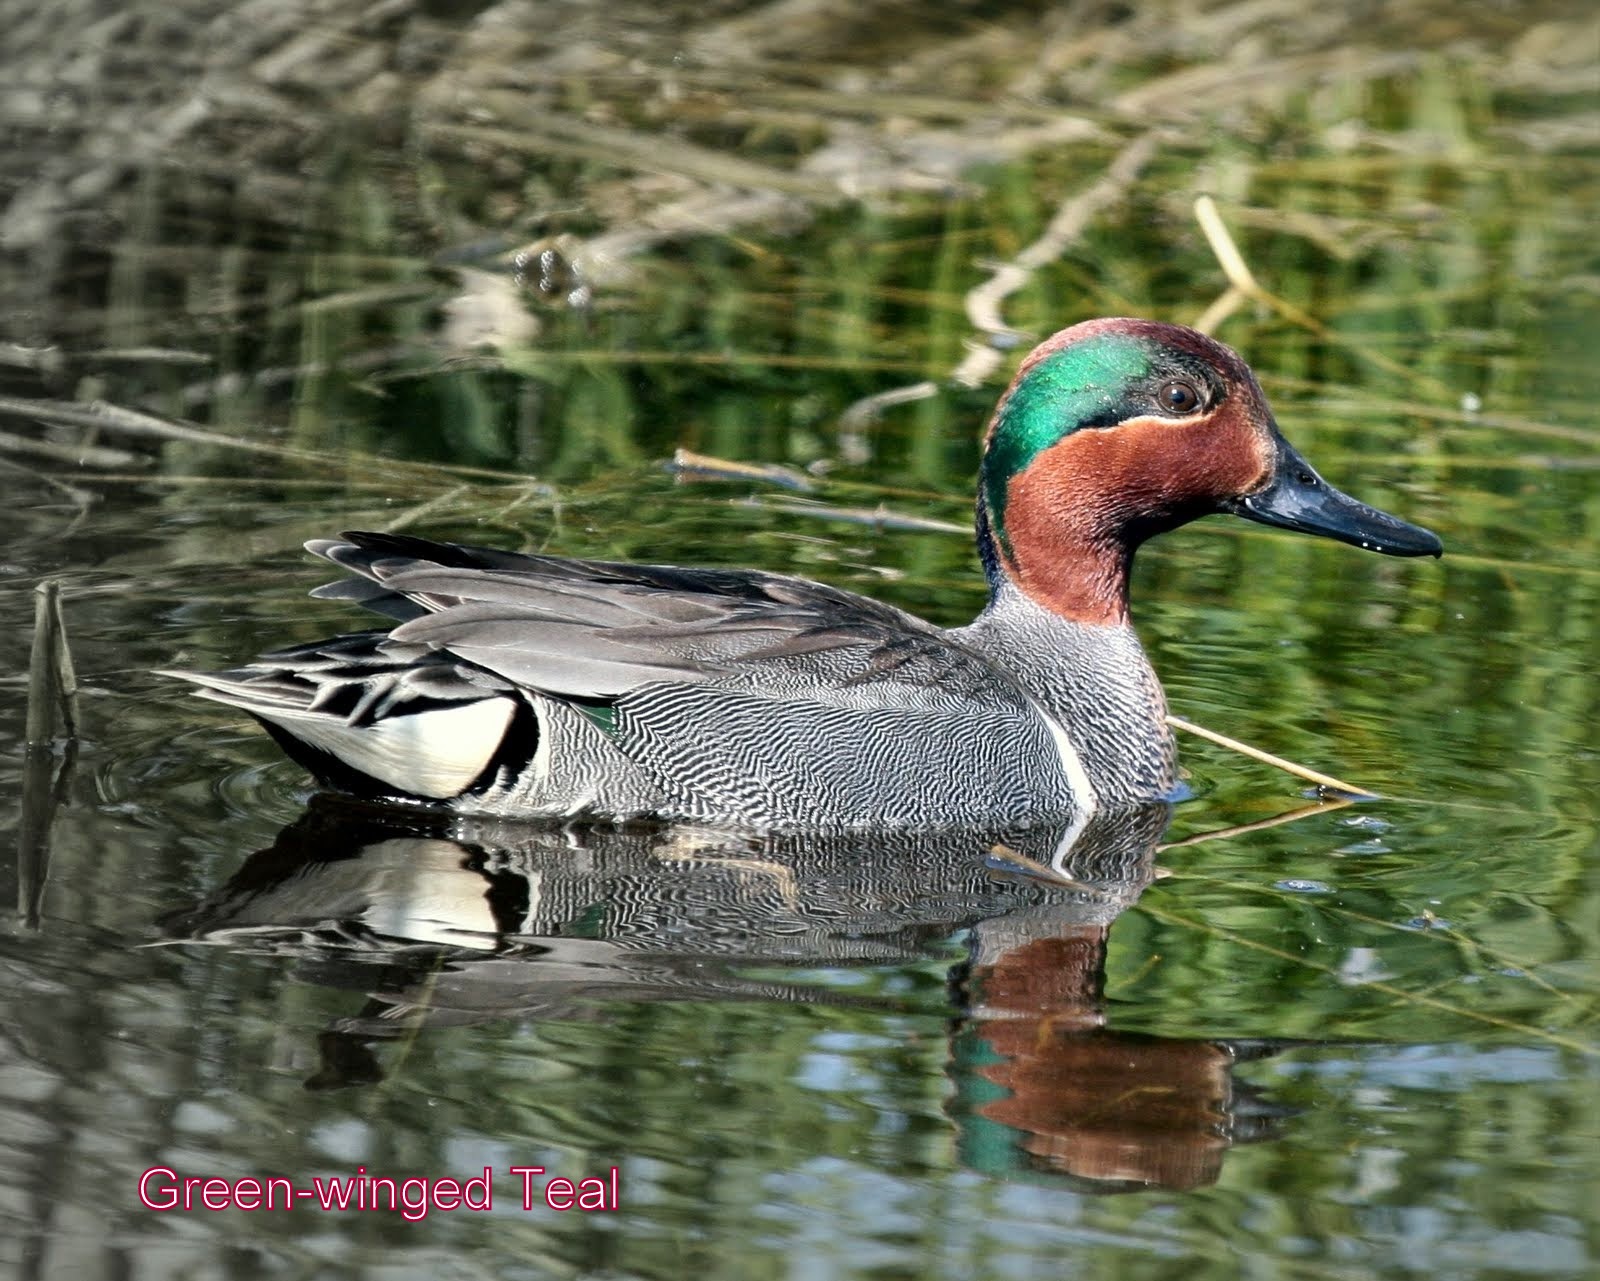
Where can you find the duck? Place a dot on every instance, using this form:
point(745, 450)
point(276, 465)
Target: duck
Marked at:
point(527, 686)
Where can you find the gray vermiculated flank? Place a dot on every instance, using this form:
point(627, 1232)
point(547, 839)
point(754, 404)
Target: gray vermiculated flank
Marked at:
point(732, 696)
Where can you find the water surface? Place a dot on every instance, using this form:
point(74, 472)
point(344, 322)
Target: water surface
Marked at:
point(1359, 1043)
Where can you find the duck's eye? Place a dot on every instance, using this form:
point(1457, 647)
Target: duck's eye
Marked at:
point(1178, 397)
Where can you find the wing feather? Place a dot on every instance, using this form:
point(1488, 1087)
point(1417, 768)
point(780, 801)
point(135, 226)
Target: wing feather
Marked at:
point(586, 629)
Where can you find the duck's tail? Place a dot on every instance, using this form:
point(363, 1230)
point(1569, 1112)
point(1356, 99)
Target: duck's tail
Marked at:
point(370, 717)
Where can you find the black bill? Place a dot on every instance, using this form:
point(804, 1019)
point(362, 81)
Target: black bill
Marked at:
point(1297, 498)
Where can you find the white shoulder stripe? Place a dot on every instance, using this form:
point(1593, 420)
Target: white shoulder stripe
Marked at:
point(1071, 766)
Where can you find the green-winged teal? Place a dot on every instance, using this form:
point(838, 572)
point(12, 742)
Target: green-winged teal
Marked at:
point(539, 686)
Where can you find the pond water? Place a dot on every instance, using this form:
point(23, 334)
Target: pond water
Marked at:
point(1357, 1042)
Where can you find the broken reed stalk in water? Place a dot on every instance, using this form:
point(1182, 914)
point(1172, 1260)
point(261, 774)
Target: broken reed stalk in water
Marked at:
point(52, 677)
point(1255, 753)
point(1260, 825)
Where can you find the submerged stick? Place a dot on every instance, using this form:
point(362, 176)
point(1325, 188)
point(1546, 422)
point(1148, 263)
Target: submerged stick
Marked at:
point(1007, 859)
point(687, 465)
point(1267, 758)
point(863, 413)
point(44, 790)
point(879, 517)
point(1260, 825)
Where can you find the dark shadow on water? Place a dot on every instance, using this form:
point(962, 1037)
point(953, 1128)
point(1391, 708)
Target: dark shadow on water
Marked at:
point(454, 923)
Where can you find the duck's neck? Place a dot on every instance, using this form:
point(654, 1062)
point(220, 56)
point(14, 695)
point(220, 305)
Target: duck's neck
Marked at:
point(1092, 677)
point(1063, 535)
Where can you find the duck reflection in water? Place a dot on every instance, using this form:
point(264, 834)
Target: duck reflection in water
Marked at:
point(448, 922)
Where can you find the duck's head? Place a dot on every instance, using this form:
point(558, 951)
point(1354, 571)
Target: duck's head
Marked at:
point(1114, 430)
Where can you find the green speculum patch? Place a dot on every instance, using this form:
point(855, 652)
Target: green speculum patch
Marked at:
point(1086, 385)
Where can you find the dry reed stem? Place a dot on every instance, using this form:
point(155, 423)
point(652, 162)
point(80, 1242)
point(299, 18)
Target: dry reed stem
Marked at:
point(1344, 789)
point(52, 676)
